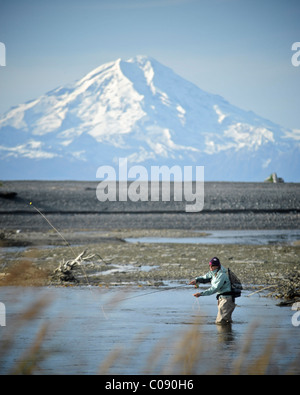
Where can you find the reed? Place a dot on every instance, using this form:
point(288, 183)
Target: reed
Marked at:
point(29, 362)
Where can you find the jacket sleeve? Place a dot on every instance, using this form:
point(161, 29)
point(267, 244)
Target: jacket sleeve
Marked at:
point(204, 279)
point(216, 286)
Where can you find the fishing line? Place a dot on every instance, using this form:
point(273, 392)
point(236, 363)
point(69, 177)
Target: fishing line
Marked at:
point(145, 294)
point(52, 226)
point(153, 292)
point(57, 231)
point(196, 305)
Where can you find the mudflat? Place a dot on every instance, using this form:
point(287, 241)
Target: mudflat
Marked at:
point(103, 230)
point(74, 205)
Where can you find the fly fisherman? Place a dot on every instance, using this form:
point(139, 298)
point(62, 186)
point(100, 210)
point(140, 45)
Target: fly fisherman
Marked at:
point(220, 284)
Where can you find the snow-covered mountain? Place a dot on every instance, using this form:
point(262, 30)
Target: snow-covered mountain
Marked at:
point(141, 110)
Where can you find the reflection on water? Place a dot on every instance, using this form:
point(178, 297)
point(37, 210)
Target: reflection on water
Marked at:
point(86, 325)
point(125, 268)
point(226, 334)
point(255, 237)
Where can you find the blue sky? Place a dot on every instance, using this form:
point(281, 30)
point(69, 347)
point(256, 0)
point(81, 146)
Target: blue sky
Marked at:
point(239, 49)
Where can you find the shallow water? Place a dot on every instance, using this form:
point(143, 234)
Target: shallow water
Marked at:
point(125, 268)
point(255, 237)
point(84, 326)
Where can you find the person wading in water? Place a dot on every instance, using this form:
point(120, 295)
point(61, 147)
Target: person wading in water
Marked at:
point(220, 284)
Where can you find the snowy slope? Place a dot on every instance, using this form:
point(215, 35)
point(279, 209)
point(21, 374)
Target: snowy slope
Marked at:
point(141, 110)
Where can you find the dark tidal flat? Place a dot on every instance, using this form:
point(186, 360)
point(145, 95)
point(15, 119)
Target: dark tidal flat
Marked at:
point(74, 205)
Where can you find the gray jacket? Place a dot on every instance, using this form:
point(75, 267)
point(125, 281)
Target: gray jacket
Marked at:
point(219, 280)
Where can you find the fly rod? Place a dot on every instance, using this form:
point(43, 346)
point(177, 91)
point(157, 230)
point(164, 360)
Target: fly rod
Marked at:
point(153, 292)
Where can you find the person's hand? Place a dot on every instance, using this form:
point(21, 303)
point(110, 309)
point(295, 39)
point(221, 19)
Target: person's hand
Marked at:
point(193, 282)
point(197, 295)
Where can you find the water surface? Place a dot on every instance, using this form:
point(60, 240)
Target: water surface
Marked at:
point(84, 329)
point(255, 237)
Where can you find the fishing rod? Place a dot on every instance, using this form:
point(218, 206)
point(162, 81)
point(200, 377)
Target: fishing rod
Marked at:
point(153, 292)
point(145, 294)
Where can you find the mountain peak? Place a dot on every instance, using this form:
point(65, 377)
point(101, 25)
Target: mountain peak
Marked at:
point(140, 109)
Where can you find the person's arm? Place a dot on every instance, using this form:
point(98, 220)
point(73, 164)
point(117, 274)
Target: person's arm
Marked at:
point(216, 286)
point(201, 279)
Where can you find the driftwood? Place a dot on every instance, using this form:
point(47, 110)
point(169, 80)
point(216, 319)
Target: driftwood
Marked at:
point(64, 272)
point(262, 289)
point(295, 303)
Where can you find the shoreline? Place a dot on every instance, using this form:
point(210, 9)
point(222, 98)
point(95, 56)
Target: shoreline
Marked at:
point(120, 263)
point(102, 227)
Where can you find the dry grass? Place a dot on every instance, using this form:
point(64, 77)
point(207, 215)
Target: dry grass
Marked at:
point(192, 357)
point(29, 362)
point(189, 358)
point(24, 272)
